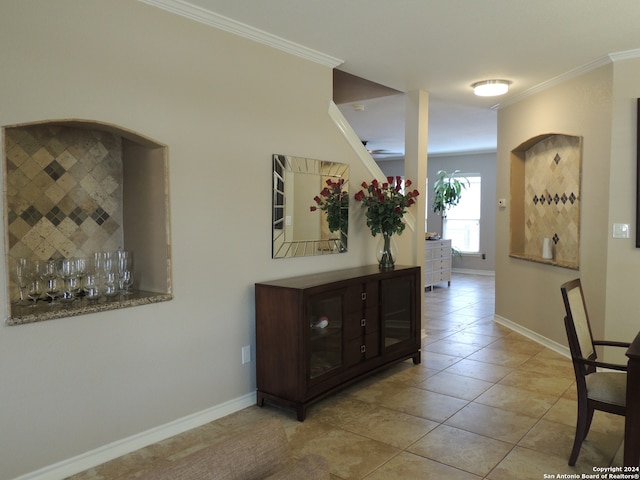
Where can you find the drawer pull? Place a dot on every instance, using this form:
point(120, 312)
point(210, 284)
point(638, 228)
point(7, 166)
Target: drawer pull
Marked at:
point(364, 296)
point(363, 348)
point(363, 322)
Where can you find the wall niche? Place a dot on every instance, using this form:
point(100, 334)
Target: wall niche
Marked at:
point(545, 200)
point(76, 187)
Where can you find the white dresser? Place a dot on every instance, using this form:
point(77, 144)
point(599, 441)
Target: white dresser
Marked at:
point(437, 262)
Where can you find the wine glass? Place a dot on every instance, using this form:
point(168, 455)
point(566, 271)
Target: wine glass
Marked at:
point(50, 278)
point(34, 290)
point(111, 285)
point(108, 262)
point(81, 269)
point(126, 282)
point(69, 276)
point(22, 277)
point(125, 260)
point(92, 287)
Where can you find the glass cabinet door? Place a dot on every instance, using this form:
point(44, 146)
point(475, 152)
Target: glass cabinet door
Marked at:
point(396, 310)
point(324, 314)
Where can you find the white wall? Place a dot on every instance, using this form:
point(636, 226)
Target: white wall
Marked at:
point(622, 311)
point(528, 293)
point(223, 105)
point(485, 165)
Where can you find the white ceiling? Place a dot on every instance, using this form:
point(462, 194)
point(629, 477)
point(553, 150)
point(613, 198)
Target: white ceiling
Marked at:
point(442, 46)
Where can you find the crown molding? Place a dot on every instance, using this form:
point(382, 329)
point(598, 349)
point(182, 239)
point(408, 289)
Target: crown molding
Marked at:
point(576, 72)
point(207, 17)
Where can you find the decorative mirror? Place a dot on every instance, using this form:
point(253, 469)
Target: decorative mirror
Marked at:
point(310, 207)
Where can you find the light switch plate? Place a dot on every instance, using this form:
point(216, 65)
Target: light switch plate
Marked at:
point(620, 230)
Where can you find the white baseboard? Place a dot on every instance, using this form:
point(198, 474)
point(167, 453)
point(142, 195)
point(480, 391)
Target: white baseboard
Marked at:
point(118, 448)
point(536, 337)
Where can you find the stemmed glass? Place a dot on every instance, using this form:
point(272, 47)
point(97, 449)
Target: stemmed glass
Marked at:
point(34, 287)
point(69, 276)
point(22, 277)
point(111, 285)
point(126, 282)
point(125, 266)
point(92, 287)
point(50, 277)
point(81, 270)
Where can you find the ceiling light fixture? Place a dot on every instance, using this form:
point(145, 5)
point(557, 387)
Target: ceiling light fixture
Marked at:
point(491, 88)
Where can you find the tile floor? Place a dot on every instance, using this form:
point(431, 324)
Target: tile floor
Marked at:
point(486, 402)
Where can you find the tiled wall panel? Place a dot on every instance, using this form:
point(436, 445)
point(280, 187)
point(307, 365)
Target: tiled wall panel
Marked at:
point(63, 191)
point(552, 198)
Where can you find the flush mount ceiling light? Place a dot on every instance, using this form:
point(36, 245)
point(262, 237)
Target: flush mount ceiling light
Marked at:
point(491, 88)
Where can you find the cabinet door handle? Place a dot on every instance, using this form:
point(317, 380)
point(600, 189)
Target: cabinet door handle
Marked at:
point(363, 322)
point(364, 296)
point(363, 348)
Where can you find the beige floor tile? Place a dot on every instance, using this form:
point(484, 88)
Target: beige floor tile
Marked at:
point(538, 382)
point(563, 411)
point(411, 376)
point(492, 422)
point(438, 361)
point(407, 466)
point(517, 344)
point(339, 409)
point(524, 464)
point(350, 456)
point(472, 338)
point(480, 370)
point(549, 366)
point(377, 392)
point(554, 438)
point(500, 357)
point(489, 328)
point(458, 386)
point(389, 426)
point(422, 403)
point(517, 400)
point(461, 449)
point(451, 348)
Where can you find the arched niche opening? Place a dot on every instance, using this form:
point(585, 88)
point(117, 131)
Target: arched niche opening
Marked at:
point(545, 200)
point(77, 187)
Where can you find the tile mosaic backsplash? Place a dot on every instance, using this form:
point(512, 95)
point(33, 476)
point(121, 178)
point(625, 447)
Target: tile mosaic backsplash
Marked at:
point(63, 191)
point(552, 198)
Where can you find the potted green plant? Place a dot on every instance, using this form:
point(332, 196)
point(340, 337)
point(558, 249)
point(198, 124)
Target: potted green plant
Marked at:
point(447, 190)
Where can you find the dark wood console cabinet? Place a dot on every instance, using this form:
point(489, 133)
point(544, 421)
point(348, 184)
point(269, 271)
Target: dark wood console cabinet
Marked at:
point(316, 334)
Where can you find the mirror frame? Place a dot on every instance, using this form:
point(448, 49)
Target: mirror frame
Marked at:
point(287, 168)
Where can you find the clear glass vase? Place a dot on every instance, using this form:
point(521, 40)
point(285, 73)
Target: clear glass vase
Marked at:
point(386, 251)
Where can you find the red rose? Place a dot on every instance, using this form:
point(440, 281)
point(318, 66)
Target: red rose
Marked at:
point(410, 202)
point(374, 182)
point(407, 183)
point(359, 196)
point(415, 193)
point(364, 185)
point(313, 209)
point(317, 199)
point(390, 180)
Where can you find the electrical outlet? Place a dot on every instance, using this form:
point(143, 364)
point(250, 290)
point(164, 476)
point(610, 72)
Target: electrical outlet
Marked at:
point(246, 354)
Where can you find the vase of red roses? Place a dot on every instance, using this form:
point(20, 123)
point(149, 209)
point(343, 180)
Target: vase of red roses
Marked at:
point(385, 204)
point(334, 201)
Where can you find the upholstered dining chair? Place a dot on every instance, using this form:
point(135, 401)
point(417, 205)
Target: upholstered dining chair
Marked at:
point(597, 390)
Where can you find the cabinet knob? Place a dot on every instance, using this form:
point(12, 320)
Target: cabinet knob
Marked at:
point(363, 322)
point(363, 348)
point(364, 296)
